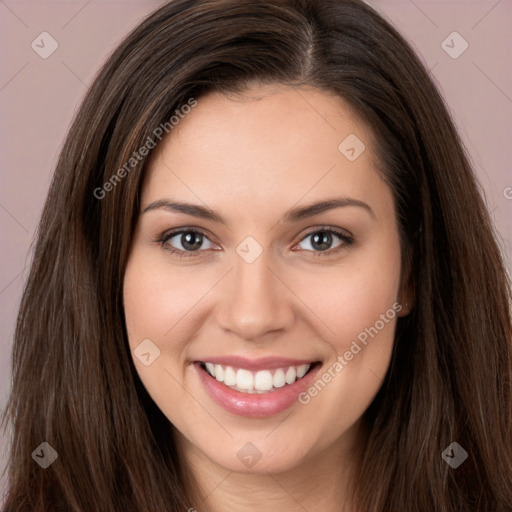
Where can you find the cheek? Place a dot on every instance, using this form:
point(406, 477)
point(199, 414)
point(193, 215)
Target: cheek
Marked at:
point(156, 299)
point(156, 304)
point(359, 305)
point(353, 296)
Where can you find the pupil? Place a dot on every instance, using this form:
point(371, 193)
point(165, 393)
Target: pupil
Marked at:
point(322, 240)
point(191, 241)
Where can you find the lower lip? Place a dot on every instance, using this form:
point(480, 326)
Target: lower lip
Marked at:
point(255, 405)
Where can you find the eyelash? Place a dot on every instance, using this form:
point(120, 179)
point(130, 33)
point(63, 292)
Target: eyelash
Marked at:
point(347, 241)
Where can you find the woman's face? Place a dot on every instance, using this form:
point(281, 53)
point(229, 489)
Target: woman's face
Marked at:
point(267, 246)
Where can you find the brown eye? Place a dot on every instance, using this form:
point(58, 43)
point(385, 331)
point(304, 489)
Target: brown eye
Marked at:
point(191, 241)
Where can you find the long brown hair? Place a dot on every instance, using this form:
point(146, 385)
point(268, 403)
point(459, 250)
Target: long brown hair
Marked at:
point(74, 383)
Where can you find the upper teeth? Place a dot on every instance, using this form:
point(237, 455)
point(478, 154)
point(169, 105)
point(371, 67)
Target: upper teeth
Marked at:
point(256, 382)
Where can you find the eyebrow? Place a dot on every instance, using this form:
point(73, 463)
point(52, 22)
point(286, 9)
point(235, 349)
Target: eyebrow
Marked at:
point(293, 215)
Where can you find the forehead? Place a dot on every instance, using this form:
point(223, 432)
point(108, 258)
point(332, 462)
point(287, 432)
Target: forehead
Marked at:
point(270, 145)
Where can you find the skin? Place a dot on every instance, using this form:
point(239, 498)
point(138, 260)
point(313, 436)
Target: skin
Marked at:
point(251, 158)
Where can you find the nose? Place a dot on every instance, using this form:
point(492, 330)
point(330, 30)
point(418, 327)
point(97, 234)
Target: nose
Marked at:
point(257, 302)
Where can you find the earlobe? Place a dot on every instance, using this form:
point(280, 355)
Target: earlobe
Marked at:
point(406, 300)
point(406, 296)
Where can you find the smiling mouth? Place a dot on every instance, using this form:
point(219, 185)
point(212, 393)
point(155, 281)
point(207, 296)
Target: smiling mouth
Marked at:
point(256, 382)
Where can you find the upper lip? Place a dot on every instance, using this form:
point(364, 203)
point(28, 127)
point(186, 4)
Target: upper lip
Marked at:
point(263, 363)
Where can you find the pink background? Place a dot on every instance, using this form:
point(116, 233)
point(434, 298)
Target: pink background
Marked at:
point(38, 98)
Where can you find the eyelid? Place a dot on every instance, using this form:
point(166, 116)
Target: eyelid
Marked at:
point(343, 233)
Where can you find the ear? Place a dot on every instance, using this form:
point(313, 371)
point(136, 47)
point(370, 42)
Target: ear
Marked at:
point(406, 298)
point(407, 293)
